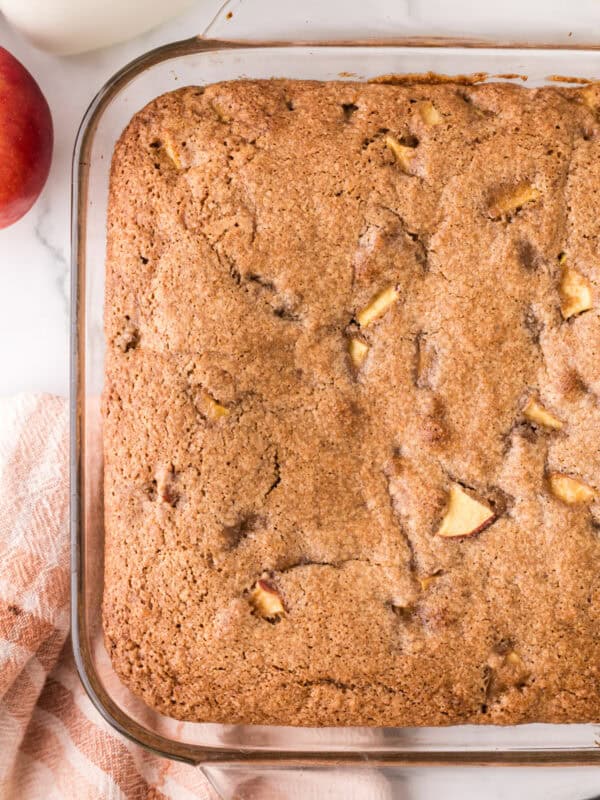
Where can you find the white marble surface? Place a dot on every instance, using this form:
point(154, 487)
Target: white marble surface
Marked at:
point(34, 253)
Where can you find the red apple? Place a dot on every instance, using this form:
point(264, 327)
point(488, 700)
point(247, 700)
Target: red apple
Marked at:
point(25, 139)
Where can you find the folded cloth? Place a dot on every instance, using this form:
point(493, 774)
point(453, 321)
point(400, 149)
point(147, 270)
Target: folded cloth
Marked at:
point(53, 743)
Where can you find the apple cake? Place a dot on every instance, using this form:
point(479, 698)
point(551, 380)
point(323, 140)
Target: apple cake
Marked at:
point(351, 410)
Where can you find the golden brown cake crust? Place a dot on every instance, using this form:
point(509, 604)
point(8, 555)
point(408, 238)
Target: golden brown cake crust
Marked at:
point(251, 225)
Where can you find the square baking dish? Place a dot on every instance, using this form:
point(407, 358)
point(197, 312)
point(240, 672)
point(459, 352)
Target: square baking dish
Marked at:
point(203, 61)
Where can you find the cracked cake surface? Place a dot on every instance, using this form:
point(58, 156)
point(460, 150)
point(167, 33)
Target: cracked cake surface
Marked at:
point(351, 404)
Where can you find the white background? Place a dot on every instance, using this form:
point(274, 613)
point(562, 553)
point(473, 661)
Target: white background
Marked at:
point(34, 253)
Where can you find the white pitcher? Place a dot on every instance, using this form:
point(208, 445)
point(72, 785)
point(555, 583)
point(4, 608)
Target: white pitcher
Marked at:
point(73, 26)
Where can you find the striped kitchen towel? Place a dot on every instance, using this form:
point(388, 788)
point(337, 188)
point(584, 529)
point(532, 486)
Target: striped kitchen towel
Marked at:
point(53, 743)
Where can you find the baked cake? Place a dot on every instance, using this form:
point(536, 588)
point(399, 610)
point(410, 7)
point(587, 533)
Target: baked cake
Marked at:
point(351, 413)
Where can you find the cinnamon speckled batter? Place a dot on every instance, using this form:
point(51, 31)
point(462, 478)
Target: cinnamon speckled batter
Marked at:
point(250, 225)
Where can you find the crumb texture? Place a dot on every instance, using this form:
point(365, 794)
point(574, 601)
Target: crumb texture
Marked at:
point(351, 410)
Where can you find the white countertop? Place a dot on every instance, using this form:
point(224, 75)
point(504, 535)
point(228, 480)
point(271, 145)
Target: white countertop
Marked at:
point(34, 253)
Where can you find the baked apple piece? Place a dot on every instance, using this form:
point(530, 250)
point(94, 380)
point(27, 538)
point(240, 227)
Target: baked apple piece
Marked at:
point(378, 306)
point(575, 292)
point(429, 113)
point(465, 515)
point(403, 154)
point(535, 412)
point(570, 490)
point(357, 350)
point(212, 409)
point(266, 601)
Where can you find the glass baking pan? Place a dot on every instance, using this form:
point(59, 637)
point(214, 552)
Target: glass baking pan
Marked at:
point(202, 61)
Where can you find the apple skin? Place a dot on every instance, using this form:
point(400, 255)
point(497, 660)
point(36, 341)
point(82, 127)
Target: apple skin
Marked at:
point(26, 138)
